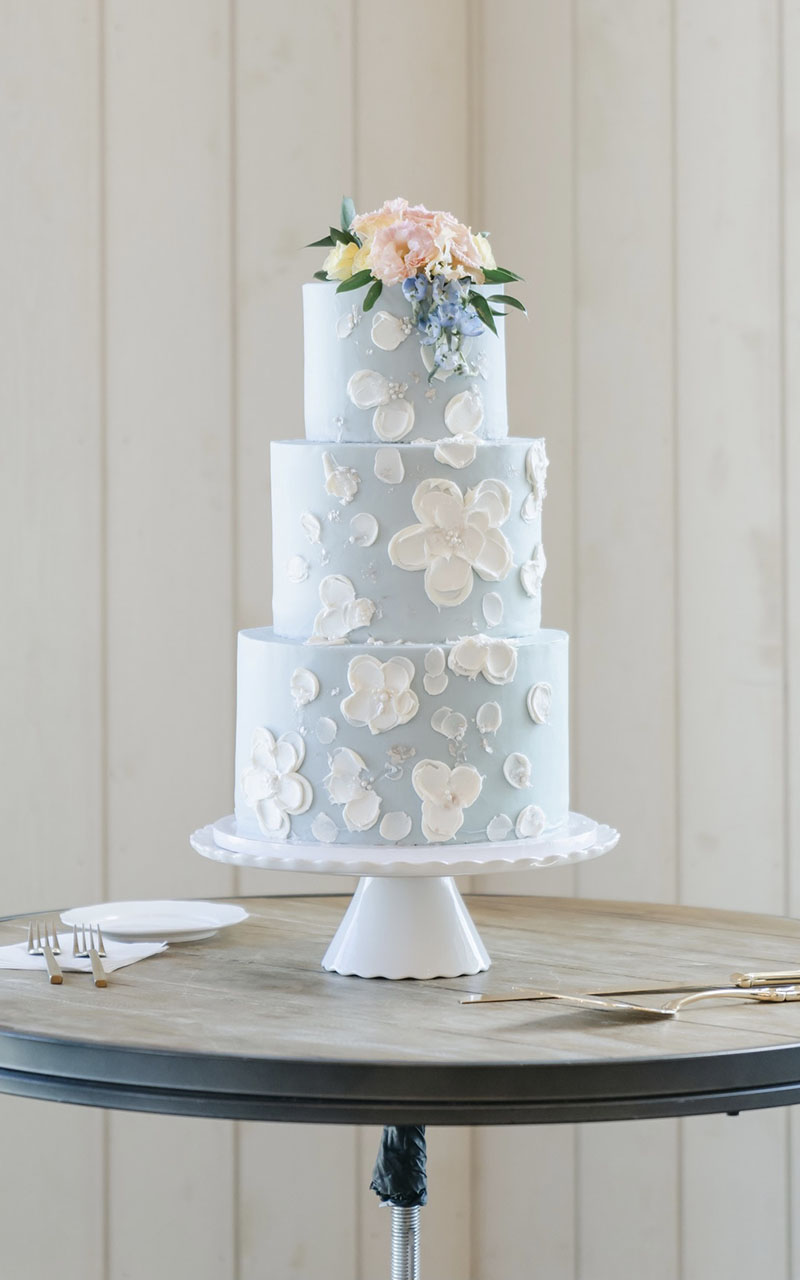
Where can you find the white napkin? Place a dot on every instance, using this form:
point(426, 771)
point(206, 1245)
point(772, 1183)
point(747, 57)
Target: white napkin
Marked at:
point(118, 955)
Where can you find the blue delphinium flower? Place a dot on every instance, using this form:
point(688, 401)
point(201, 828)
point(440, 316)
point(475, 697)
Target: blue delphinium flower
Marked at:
point(448, 314)
point(415, 289)
point(445, 358)
point(429, 328)
point(471, 324)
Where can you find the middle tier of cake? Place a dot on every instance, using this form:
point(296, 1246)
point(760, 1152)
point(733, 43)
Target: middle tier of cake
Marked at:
point(413, 542)
point(401, 744)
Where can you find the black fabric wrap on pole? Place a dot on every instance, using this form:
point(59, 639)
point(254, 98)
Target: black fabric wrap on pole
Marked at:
point(399, 1176)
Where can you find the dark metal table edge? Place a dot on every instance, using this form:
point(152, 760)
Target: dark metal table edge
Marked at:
point(457, 1093)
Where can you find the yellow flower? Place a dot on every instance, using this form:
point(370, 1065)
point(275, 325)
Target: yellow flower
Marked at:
point(485, 252)
point(339, 263)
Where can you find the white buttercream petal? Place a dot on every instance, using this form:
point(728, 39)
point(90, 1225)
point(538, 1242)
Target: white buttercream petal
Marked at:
point(500, 664)
point(463, 414)
point(364, 529)
point(294, 793)
point(388, 331)
point(396, 675)
point(422, 494)
point(365, 672)
point(262, 748)
point(363, 812)
point(272, 819)
point(336, 591)
point(358, 707)
point(395, 826)
point(393, 420)
point(466, 657)
point(285, 756)
point(457, 453)
point(440, 822)
point(429, 779)
point(368, 388)
point(406, 706)
point(435, 684)
point(494, 559)
point(492, 497)
point(489, 717)
point(383, 719)
point(465, 784)
point(304, 686)
point(388, 466)
point(444, 510)
point(407, 548)
point(448, 581)
point(257, 784)
point(435, 661)
point(530, 822)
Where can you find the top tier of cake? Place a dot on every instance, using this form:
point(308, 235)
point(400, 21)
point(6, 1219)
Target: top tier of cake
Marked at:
point(370, 376)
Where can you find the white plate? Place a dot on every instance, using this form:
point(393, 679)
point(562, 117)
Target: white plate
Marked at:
point(172, 921)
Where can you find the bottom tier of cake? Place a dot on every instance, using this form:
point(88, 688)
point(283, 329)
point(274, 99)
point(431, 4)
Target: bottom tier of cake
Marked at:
point(403, 744)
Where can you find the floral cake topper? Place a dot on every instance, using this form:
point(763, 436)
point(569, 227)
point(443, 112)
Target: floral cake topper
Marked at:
point(436, 259)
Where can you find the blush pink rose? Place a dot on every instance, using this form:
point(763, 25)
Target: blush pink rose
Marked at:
point(459, 253)
point(402, 250)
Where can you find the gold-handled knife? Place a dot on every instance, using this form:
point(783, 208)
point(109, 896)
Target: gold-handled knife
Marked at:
point(742, 980)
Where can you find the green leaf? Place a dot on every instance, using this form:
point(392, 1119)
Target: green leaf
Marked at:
point(483, 309)
point(499, 275)
point(372, 296)
point(355, 282)
point(320, 275)
point(348, 212)
point(505, 298)
point(344, 237)
point(327, 243)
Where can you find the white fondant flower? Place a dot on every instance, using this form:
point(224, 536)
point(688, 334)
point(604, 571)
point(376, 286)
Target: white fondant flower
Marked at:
point(304, 686)
point(394, 415)
point(342, 611)
point(347, 322)
point(536, 464)
point(457, 533)
point(382, 696)
point(464, 413)
point(532, 571)
point(346, 786)
point(340, 482)
point(457, 453)
point(530, 822)
point(445, 794)
point(495, 660)
point(272, 786)
point(388, 331)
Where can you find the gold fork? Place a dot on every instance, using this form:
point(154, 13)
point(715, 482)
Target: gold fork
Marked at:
point(39, 944)
point(671, 1009)
point(88, 950)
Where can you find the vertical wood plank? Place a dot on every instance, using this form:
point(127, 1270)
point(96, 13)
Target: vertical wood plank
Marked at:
point(170, 553)
point(730, 527)
point(523, 1179)
point(51, 470)
point(790, 228)
point(526, 201)
point(51, 518)
point(297, 1183)
point(625, 682)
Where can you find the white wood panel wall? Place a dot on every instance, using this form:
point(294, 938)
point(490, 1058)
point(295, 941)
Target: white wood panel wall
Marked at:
point(162, 161)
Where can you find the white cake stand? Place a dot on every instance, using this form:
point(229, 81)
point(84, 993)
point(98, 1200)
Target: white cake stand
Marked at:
point(407, 918)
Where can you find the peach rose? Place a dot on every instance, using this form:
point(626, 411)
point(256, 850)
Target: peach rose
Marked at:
point(402, 250)
point(459, 253)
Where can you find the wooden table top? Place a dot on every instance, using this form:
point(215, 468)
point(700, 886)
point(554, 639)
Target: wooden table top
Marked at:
point(247, 1024)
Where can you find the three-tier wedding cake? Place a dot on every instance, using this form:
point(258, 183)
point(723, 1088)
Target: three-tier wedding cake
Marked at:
point(406, 694)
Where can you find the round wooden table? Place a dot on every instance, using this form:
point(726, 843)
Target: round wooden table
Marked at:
point(247, 1025)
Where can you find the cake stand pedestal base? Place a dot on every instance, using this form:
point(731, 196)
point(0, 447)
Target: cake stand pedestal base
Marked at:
point(407, 918)
point(406, 927)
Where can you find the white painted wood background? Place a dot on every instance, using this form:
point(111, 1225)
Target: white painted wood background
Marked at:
point(160, 163)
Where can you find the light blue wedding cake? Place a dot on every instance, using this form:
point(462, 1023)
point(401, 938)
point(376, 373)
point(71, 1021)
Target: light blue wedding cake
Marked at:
point(406, 694)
